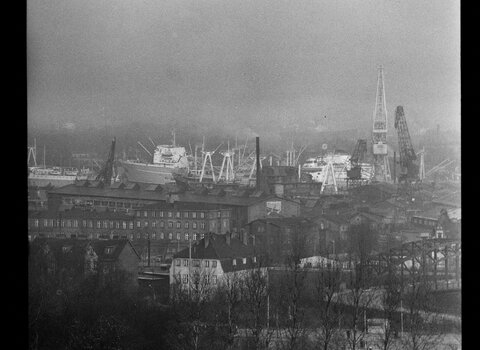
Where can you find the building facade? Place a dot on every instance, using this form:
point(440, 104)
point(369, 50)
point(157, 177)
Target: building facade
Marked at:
point(279, 238)
point(81, 258)
point(212, 262)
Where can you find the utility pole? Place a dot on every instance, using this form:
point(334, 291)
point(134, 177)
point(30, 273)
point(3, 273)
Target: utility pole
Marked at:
point(401, 318)
point(394, 167)
point(268, 303)
point(189, 265)
point(148, 245)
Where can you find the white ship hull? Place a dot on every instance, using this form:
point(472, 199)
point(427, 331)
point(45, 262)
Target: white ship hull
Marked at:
point(150, 173)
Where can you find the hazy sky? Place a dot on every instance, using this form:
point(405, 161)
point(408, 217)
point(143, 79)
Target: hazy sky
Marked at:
point(242, 62)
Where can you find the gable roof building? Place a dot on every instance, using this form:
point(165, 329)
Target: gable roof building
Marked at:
point(83, 257)
point(210, 262)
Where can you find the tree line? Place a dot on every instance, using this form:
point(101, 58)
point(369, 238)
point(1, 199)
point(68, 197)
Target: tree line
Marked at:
point(282, 307)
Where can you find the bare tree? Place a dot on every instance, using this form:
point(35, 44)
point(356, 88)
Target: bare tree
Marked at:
point(255, 298)
point(229, 295)
point(290, 290)
point(362, 240)
point(421, 321)
point(389, 302)
point(327, 287)
point(191, 296)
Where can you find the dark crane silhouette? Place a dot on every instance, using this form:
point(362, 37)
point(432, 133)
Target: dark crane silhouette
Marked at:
point(106, 173)
point(408, 167)
point(355, 172)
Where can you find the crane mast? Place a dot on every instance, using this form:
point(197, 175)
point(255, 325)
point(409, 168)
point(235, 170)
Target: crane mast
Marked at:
point(408, 167)
point(379, 133)
point(106, 173)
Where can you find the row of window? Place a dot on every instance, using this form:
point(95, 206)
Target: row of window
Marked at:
point(421, 221)
point(171, 224)
point(117, 224)
point(105, 224)
point(178, 236)
point(195, 263)
point(206, 263)
point(196, 279)
point(110, 204)
point(186, 214)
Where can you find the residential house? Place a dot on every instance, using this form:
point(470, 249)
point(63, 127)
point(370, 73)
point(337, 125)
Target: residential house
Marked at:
point(74, 257)
point(279, 238)
point(210, 262)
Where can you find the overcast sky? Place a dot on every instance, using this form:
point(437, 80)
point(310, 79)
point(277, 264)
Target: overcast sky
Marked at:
point(242, 62)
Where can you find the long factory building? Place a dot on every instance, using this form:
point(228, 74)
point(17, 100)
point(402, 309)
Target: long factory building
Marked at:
point(169, 215)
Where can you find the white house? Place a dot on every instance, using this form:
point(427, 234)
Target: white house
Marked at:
point(212, 261)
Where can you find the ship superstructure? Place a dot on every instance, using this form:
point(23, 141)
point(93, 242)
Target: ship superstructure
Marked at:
point(167, 160)
point(340, 162)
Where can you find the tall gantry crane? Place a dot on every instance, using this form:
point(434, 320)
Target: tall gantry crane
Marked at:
point(106, 173)
point(379, 133)
point(408, 166)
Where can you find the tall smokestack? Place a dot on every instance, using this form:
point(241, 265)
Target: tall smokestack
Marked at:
point(258, 181)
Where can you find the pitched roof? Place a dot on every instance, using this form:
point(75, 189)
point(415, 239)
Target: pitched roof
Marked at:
point(181, 206)
point(370, 216)
point(311, 203)
point(285, 221)
point(76, 213)
point(135, 191)
point(118, 185)
point(118, 246)
point(217, 248)
point(336, 218)
point(77, 247)
point(73, 254)
point(450, 199)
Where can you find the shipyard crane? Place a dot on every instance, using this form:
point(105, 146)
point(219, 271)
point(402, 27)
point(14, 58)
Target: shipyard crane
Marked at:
point(106, 173)
point(358, 155)
point(408, 167)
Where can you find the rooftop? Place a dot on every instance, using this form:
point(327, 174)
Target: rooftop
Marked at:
point(76, 248)
point(243, 197)
point(77, 213)
point(286, 221)
point(217, 248)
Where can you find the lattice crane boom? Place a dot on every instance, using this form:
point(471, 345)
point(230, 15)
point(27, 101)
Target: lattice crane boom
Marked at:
point(408, 168)
point(106, 172)
point(359, 152)
point(358, 155)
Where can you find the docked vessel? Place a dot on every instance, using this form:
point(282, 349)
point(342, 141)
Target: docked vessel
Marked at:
point(56, 176)
point(317, 167)
point(167, 160)
point(42, 176)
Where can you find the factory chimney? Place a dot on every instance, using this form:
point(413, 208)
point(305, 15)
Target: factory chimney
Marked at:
point(258, 174)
